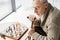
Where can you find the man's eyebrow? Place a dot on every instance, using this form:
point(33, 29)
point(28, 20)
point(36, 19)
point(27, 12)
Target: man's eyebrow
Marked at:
point(36, 6)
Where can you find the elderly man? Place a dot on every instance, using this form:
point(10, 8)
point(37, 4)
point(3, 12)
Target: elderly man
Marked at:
point(49, 18)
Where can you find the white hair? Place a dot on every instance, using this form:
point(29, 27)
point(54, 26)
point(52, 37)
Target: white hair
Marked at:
point(42, 1)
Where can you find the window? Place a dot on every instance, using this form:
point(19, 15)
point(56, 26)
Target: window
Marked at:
point(18, 3)
point(5, 8)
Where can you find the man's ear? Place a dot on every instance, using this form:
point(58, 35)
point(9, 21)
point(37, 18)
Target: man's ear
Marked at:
point(46, 5)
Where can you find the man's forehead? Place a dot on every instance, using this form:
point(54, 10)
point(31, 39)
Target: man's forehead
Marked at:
point(36, 3)
point(35, 0)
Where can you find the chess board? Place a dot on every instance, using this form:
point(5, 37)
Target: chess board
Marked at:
point(15, 31)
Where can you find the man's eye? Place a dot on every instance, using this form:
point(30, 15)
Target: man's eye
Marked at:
point(38, 7)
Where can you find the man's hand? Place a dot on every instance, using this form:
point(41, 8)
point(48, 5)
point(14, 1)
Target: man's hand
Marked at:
point(31, 17)
point(31, 31)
